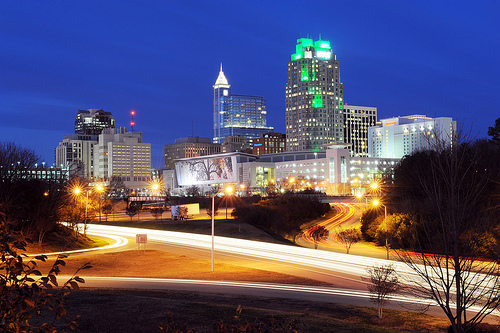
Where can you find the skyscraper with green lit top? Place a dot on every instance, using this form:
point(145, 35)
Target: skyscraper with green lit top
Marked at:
point(314, 97)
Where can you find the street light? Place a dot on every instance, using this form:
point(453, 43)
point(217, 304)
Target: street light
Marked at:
point(99, 190)
point(376, 203)
point(359, 196)
point(77, 191)
point(228, 189)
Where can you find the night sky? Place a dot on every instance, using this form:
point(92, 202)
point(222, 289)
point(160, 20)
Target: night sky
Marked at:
point(161, 58)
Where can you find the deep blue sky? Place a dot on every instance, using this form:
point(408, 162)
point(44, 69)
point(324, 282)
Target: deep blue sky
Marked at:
point(161, 58)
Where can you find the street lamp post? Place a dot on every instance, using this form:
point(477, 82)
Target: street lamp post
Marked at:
point(99, 190)
point(228, 190)
point(376, 203)
point(77, 192)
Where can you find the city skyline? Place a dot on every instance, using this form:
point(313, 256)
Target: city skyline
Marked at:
point(162, 60)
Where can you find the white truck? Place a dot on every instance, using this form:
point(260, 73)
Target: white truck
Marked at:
point(184, 212)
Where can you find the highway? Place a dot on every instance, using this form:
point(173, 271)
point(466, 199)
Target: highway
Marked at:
point(343, 271)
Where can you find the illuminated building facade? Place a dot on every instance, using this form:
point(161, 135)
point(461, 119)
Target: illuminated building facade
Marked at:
point(400, 136)
point(76, 153)
point(122, 154)
point(357, 120)
point(235, 115)
point(93, 121)
point(269, 143)
point(314, 97)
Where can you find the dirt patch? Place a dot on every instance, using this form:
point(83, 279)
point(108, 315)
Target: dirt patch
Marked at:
point(159, 264)
point(144, 311)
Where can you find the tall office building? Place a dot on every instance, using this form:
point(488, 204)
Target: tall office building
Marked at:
point(76, 151)
point(357, 120)
point(122, 154)
point(400, 136)
point(93, 121)
point(314, 97)
point(235, 115)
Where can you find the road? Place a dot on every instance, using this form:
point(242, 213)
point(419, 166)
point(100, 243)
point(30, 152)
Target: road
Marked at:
point(344, 272)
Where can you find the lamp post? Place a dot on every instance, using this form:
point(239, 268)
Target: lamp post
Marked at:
point(228, 190)
point(376, 203)
point(77, 192)
point(99, 190)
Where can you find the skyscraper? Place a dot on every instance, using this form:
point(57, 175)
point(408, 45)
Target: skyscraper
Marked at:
point(357, 120)
point(314, 97)
point(93, 121)
point(235, 115)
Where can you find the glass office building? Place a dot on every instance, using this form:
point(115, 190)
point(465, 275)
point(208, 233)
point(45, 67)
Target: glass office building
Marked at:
point(234, 115)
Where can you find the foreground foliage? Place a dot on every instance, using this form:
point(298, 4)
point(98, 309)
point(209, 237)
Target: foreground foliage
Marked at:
point(23, 297)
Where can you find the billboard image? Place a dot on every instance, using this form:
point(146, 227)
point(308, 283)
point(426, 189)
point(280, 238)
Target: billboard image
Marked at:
point(206, 171)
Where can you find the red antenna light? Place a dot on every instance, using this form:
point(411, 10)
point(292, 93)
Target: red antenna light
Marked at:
point(132, 123)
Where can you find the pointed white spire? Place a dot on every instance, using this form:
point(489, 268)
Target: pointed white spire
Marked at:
point(221, 81)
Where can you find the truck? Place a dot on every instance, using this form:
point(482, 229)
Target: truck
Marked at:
point(184, 212)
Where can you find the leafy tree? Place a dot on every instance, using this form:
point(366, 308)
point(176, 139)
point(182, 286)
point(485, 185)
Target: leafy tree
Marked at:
point(383, 282)
point(349, 237)
point(22, 296)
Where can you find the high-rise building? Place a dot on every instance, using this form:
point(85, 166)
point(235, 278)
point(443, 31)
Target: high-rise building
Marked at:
point(400, 136)
point(314, 97)
point(235, 115)
point(76, 153)
point(189, 147)
point(93, 121)
point(357, 120)
point(122, 154)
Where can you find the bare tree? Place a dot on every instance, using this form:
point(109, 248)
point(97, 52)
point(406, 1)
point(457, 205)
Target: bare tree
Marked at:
point(383, 282)
point(447, 190)
point(349, 237)
point(157, 212)
point(131, 211)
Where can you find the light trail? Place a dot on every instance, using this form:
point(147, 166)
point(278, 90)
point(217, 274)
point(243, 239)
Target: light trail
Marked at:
point(119, 241)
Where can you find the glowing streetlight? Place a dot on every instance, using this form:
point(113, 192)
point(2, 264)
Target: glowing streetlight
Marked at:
point(376, 203)
point(99, 190)
point(77, 191)
point(228, 190)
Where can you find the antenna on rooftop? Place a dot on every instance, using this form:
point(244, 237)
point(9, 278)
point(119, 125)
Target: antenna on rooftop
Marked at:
point(132, 123)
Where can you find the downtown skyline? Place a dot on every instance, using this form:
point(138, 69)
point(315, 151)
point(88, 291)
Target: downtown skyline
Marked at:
point(162, 59)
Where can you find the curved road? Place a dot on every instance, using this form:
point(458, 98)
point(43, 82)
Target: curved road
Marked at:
point(344, 272)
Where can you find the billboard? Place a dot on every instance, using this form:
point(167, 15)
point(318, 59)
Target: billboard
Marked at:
point(211, 170)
